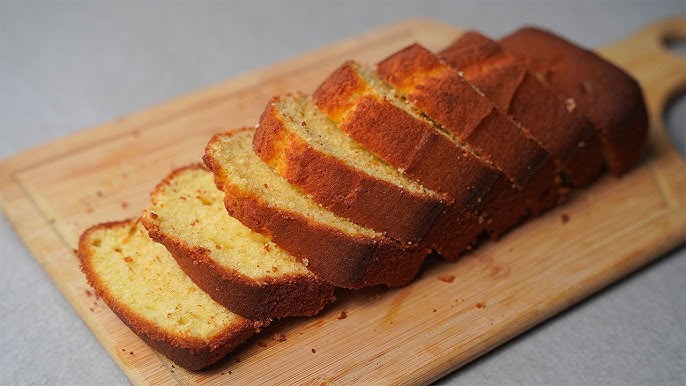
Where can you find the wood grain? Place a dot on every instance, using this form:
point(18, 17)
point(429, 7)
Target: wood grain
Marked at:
point(412, 335)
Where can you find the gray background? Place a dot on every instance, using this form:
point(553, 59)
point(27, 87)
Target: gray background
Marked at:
point(66, 66)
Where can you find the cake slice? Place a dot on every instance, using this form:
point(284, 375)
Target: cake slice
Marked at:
point(309, 150)
point(438, 91)
point(337, 250)
point(608, 96)
point(142, 283)
point(240, 269)
point(506, 81)
point(371, 114)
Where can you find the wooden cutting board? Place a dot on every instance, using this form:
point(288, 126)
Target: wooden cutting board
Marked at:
point(411, 335)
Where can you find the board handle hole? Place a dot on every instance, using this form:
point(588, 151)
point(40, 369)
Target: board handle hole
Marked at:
point(675, 43)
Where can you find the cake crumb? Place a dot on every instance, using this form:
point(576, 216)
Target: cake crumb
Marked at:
point(435, 310)
point(124, 204)
point(88, 292)
point(571, 104)
point(128, 259)
point(313, 351)
point(565, 218)
point(446, 278)
point(480, 305)
point(343, 315)
point(99, 193)
point(279, 337)
point(130, 352)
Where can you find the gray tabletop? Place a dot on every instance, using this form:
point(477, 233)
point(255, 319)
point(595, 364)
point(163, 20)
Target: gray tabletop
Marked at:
point(66, 66)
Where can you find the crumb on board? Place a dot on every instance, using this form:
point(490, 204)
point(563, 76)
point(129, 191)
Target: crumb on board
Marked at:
point(279, 337)
point(565, 218)
point(480, 305)
point(446, 278)
point(313, 351)
point(124, 204)
point(342, 315)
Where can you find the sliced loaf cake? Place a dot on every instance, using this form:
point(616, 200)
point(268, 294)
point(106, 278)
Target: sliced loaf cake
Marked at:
point(337, 250)
point(309, 150)
point(439, 92)
point(608, 96)
point(142, 283)
point(506, 81)
point(241, 269)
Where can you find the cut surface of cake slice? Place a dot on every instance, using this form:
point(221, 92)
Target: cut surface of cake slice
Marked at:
point(439, 92)
point(241, 269)
point(506, 81)
point(309, 150)
point(603, 92)
point(337, 250)
point(142, 283)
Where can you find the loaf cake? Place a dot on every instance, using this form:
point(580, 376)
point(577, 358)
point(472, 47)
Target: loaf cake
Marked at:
point(354, 186)
point(555, 125)
point(604, 93)
point(240, 269)
point(437, 90)
point(311, 152)
point(371, 114)
point(142, 283)
point(337, 250)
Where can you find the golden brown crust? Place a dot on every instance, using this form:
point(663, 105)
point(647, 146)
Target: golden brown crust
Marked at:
point(344, 260)
point(438, 91)
point(192, 354)
point(264, 299)
point(608, 96)
point(348, 192)
point(507, 82)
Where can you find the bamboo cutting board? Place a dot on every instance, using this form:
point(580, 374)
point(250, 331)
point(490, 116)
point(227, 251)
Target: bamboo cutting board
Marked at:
point(410, 335)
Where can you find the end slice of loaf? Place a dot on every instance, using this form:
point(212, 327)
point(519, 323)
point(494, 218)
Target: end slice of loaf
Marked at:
point(607, 95)
point(438, 91)
point(142, 283)
point(371, 114)
point(506, 81)
point(337, 250)
point(241, 269)
point(311, 152)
